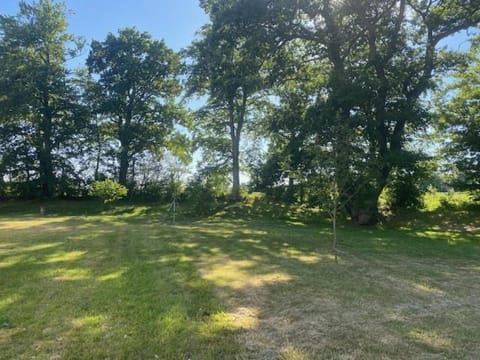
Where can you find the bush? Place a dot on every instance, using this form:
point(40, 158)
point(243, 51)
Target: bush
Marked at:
point(201, 199)
point(154, 191)
point(108, 190)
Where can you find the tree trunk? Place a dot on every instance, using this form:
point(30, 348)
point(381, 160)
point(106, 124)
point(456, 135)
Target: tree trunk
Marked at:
point(44, 151)
point(124, 155)
point(46, 173)
point(122, 176)
point(363, 206)
point(236, 118)
point(236, 168)
point(98, 160)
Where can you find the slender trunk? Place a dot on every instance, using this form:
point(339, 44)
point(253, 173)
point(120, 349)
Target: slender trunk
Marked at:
point(334, 233)
point(235, 168)
point(132, 174)
point(133, 168)
point(97, 163)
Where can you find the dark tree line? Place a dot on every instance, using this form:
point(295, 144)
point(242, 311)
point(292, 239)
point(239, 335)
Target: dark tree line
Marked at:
point(336, 87)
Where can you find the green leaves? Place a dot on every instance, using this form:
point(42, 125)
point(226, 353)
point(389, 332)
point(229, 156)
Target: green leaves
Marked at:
point(108, 190)
point(459, 110)
point(133, 86)
point(36, 91)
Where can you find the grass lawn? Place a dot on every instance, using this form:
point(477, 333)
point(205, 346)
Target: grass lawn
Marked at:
point(82, 282)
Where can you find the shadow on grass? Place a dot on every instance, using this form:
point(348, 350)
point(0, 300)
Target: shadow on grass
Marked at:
point(127, 285)
point(105, 291)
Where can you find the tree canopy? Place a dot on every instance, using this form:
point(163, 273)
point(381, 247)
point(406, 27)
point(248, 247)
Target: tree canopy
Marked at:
point(134, 85)
point(338, 91)
point(39, 104)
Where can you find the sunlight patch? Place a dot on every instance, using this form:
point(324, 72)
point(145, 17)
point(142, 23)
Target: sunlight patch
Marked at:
point(88, 321)
point(235, 274)
point(428, 289)
point(430, 338)
point(69, 274)
point(9, 300)
point(11, 261)
point(291, 353)
point(240, 318)
point(39, 246)
point(112, 276)
point(28, 224)
point(65, 256)
point(308, 258)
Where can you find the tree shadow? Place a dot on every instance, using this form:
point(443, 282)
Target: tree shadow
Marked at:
point(132, 286)
point(101, 292)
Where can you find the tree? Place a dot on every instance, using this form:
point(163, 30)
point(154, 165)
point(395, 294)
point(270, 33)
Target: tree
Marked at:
point(460, 112)
point(228, 64)
point(382, 57)
point(288, 160)
point(39, 105)
point(133, 86)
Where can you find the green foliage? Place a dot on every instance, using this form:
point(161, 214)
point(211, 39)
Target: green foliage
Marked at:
point(436, 200)
point(206, 192)
point(459, 109)
point(228, 64)
point(410, 181)
point(376, 60)
point(337, 88)
point(40, 111)
point(133, 85)
point(108, 190)
point(199, 199)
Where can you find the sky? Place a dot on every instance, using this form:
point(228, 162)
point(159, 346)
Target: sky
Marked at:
point(175, 21)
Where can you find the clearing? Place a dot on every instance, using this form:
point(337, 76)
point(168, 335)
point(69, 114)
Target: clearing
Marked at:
point(82, 282)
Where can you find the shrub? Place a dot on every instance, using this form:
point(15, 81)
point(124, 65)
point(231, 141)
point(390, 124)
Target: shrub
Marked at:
point(201, 198)
point(108, 190)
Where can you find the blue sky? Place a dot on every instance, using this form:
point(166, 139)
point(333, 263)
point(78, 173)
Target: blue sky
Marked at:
point(176, 21)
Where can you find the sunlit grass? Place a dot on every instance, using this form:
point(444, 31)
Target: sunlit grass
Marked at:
point(121, 282)
point(434, 200)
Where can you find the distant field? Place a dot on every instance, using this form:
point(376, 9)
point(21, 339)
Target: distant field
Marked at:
point(88, 282)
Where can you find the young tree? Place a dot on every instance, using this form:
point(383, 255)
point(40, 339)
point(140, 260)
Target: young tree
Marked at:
point(134, 85)
point(38, 101)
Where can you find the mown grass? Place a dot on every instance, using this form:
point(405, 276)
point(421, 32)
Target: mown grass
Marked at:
point(87, 282)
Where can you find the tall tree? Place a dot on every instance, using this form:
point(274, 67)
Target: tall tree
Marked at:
point(228, 65)
point(382, 57)
point(37, 98)
point(134, 85)
point(460, 119)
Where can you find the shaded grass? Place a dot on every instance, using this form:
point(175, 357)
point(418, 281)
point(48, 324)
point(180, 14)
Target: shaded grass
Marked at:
point(122, 282)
